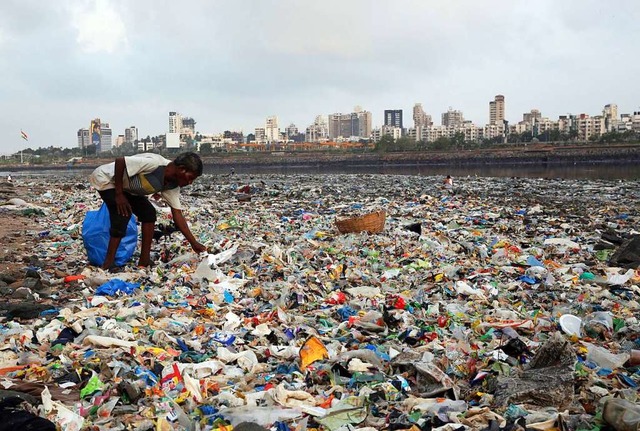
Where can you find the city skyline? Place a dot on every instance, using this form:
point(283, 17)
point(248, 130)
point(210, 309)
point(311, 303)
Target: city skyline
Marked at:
point(129, 64)
point(356, 125)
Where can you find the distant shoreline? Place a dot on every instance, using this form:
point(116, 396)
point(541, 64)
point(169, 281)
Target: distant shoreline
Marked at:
point(496, 156)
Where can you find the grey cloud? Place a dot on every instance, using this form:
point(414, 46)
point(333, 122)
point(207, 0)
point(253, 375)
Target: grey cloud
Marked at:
point(229, 64)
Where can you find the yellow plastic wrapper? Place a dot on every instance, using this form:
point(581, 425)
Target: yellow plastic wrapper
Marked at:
point(163, 424)
point(312, 350)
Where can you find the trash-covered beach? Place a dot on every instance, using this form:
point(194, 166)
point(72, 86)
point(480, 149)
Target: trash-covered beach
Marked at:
point(501, 304)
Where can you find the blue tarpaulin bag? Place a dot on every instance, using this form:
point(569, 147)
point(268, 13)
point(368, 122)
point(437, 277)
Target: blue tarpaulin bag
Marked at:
point(115, 286)
point(95, 235)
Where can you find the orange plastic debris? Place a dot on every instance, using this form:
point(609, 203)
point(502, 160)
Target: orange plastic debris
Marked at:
point(312, 350)
point(70, 278)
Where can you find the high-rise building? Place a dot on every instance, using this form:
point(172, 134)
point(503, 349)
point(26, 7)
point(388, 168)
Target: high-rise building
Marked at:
point(291, 131)
point(393, 117)
point(271, 129)
point(130, 135)
point(452, 118)
point(610, 114)
point(106, 139)
point(188, 127)
point(365, 124)
point(260, 135)
point(175, 122)
point(343, 125)
point(496, 110)
point(420, 118)
point(318, 131)
point(84, 138)
point(531, 117)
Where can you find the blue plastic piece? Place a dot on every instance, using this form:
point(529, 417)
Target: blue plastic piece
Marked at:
point(228, 297)
point(527, 279)
point(532, 261)
point(115, 285)
point(183, 346)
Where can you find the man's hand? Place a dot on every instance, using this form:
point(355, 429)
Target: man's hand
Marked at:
point(124, 208)
point(198, 248)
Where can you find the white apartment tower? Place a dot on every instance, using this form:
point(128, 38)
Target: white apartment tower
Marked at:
point(452, 118)
point(271, 129)
point(130, 135)
point(175, 122)
point(84, 138)
point(496, 110)
point(291, 131)
point(260, 135)
point(420, 118)
point(364, 124)
point(532, 117)
point(610, 114)
point(318, 131)
point(106, 138)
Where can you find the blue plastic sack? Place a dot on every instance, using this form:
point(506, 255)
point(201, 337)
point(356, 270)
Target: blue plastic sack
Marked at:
point(95, 236)
point(115, 286)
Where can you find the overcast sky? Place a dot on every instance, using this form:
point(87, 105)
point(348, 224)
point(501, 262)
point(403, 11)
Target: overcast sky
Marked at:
point(230, 64)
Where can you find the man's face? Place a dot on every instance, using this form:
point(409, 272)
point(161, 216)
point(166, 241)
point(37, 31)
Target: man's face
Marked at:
point(185, 177)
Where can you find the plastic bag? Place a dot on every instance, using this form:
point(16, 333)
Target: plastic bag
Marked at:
point(95, 235)
point(114, 286)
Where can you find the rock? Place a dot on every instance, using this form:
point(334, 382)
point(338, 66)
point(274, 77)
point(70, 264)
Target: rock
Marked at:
point(17, 202)
point(23, 293)
point(32, 273)
point(622, 415)
point(8, 278)
point(628, 254)
point(430, 381)
point(33, 284)
point(249, 426)
point(22, 310)
point(5, 394)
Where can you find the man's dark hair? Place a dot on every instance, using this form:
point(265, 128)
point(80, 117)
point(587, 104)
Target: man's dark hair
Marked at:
point(190, 161)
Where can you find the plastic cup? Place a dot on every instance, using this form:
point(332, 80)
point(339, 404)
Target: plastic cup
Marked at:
point(570, 324)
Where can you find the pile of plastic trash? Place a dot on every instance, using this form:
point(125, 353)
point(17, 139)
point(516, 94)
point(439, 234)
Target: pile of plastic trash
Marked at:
point(504, 304)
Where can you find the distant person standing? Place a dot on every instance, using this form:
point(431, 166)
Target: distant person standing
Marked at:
point(9, 178)
point(448, 185)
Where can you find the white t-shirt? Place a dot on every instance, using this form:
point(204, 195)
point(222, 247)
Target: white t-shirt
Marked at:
point(144, 175)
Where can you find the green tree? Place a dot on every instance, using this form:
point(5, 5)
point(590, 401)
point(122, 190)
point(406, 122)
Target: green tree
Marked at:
point(405, 144)
point(442, 143)
point(458, 140)
point(89, 150)
point(573, 135)
point(384, 144)
point(630, 136)
point(205, 148)
point(545, 136)
point(513, 138)
point(526, 136)
point(610, 137)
